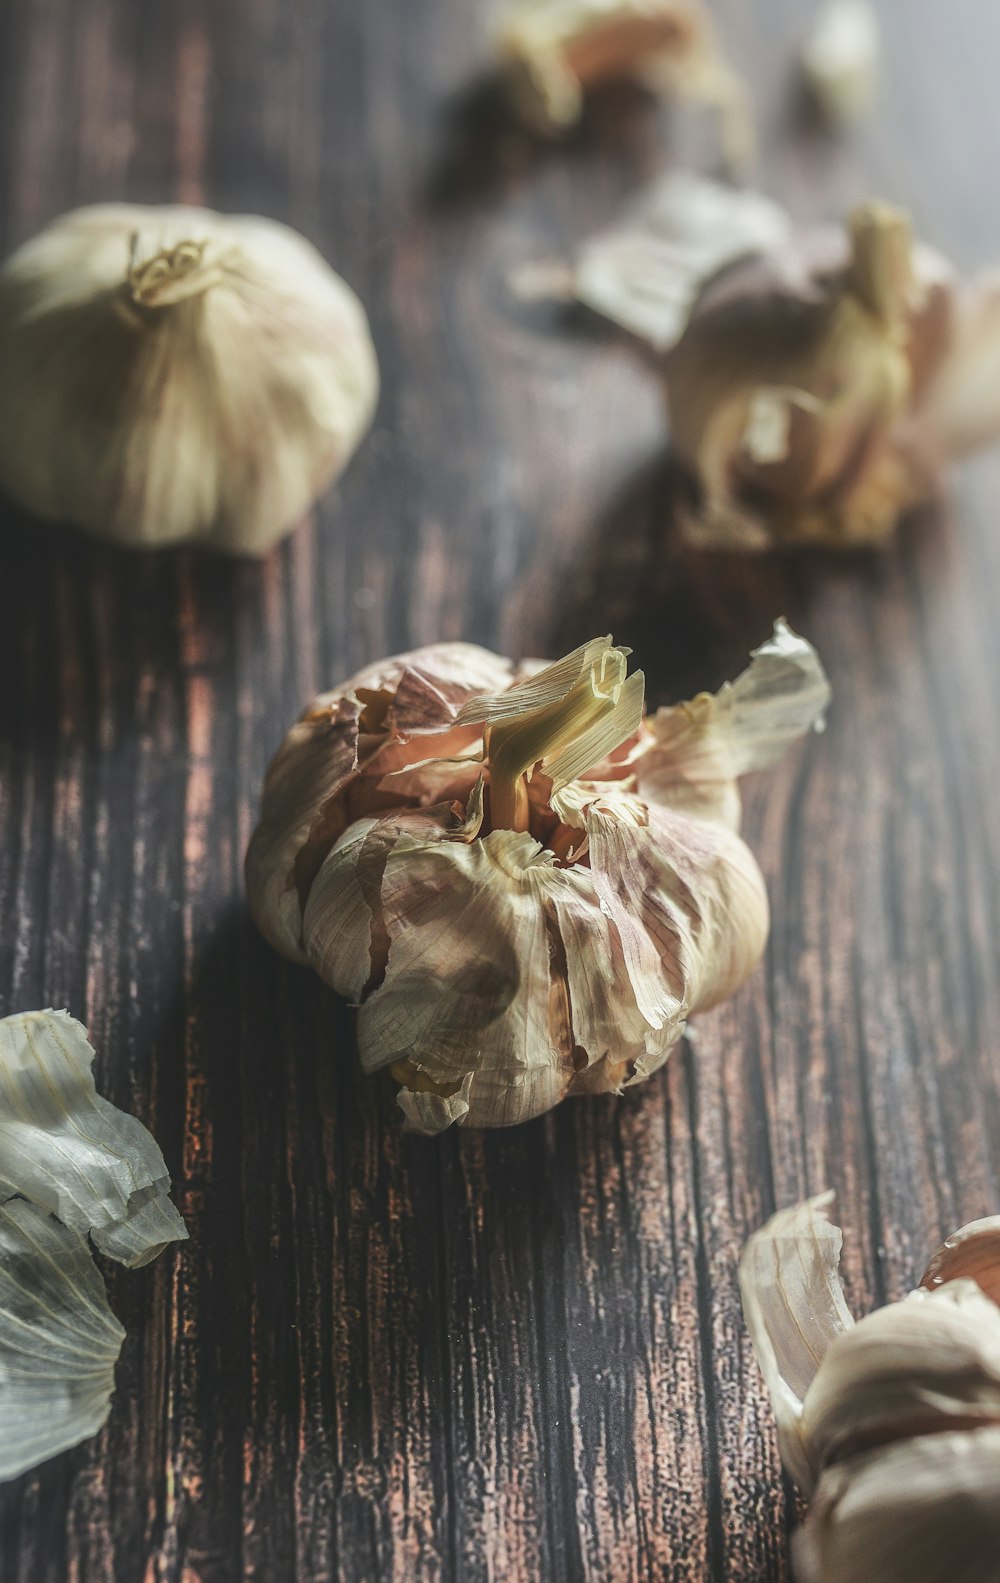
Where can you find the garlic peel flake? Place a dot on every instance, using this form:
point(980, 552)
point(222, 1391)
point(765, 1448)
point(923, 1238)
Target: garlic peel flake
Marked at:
point(68, 1150)
point(59, 1341)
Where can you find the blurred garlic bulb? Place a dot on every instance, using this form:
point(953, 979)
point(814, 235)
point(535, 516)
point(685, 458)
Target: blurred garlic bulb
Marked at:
point(818, 389)
point(840, 60)
point(554, 50)
point(173, 375)
point(525, 885)
point(891, 1427)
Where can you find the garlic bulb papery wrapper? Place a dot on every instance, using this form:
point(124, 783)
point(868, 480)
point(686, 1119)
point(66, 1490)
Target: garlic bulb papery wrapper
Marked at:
point(553, 51)
point(72, 1166)
point(891, 1426)
point(819, 389)
point(525, 885)
point(174, 375)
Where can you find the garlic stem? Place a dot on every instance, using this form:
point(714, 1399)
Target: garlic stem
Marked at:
point(882, 260)
point(168, 275)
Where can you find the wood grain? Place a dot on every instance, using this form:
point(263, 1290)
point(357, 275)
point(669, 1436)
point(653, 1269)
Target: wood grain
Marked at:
point(513, 1357)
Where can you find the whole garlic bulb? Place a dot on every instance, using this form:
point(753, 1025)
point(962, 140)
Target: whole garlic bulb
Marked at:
point(891, 1426)
point(818, 389)
point(524, 884)
point(172, 375)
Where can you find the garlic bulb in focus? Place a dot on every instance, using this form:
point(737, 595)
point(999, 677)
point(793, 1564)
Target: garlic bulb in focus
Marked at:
point(554, 50)
point(525, 885)
point(818, 389)
point(891, 1426)
point(173, 375)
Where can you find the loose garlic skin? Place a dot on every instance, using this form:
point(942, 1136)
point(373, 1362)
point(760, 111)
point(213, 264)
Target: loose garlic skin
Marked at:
point(524, 885)
point(172, 375)
point(890, 1426)
point(819, 389)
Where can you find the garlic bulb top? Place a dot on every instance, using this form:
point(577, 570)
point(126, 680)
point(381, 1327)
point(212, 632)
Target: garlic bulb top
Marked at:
point(525, 885)
point(554, 50)
point(817, 388)
point(891, 1425)
point(171, 375)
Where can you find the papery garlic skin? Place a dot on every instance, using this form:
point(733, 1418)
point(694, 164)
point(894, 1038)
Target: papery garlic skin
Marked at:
point(524, 886)
point(892, 1425)
point(554, 50)
point(72, 1167)
point(173, 375)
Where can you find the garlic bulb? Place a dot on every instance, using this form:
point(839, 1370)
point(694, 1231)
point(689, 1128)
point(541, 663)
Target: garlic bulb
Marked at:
point(891, 1426)
point(172, 375)
point(818, 389)
point(554, 50)
point(525, 885)
point(840, 60)
point(72, 1166)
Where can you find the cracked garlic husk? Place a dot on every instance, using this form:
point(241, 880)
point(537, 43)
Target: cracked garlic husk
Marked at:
point(73, 1170)
point(889, 1426)
point(553, 51)
point(819, 389)
point(524, 884)
point(173, 375)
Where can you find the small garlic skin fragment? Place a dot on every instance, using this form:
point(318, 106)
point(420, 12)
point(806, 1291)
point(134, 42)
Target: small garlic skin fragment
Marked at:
point(840, 60)
point(645, 271)
point(59, 1340)
point(553, 51)
point(869, 342)
point(890, 1426)
point(524, 885)
point(173, 375)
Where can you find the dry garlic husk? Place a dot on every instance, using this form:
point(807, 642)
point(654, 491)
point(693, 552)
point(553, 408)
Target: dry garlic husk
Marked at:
point(72, 1166)
point(840, 60)
point(524, 884)
point(818, 389)
point(553, 51)
point(891, 1426)
point(172, 375)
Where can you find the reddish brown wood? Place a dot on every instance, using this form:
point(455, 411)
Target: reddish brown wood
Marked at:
point(520, 1356)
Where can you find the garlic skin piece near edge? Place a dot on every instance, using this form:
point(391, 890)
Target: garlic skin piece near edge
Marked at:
point(819, 389)
point(172, 375)
point(890, 1426)
point(524, 884)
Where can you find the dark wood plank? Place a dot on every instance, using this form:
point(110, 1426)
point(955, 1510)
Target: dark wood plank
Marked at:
point(521, 1355)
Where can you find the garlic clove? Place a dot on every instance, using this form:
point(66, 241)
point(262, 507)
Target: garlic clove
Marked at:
point(191, 376)
point(794, 1307)
point(921, 1511)
point(972, 1253)
point(694, 753)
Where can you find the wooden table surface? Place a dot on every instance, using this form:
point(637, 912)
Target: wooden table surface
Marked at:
point(515, 1356)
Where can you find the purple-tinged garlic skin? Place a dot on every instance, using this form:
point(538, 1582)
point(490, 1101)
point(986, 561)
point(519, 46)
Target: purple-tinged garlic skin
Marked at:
point(524, 885)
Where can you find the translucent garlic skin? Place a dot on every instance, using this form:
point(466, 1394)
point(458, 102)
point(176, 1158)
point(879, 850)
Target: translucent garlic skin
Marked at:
point(515, 935)
point(890, 1426)
point(172, 375)
point(819, 389)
